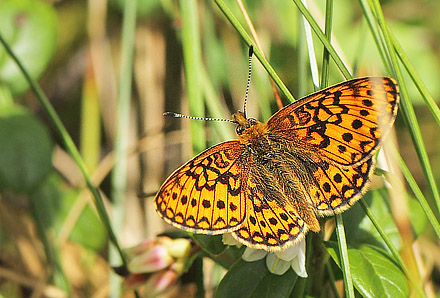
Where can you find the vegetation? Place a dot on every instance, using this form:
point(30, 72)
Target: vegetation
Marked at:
point(83, 85)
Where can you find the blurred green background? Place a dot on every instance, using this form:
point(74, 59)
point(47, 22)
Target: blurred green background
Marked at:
point(48, 221)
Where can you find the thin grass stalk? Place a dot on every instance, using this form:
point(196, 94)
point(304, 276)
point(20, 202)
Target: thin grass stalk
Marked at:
point(409, 67)
point(50, 249)
point(236, 24)
point(192, 54)
point(302, 60)
point(407, 109)
point(259, 46)
point(328, 34)
point(372, 25)
point(69, 144)
point(417, 193)
point(311, 51)
point(343, 254)
point(90, 130)
point(339, 63)
point(119, 173)
point(331, 276)
point(324, 83)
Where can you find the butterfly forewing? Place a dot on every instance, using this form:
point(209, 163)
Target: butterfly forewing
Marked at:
point(205, 195)
point(344, 122)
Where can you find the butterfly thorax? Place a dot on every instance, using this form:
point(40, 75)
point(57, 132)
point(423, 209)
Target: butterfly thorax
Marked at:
point(250, 131)
point(273, 160)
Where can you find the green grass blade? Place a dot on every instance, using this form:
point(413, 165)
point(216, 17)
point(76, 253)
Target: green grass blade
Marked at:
point(311, 52)
point(343, 252)
point(372, 25)
point(119, 172)
point(331, 276)
point(339, 63)
point(192, 54)
point(328, 34)
point(418, 193)
point(228, 14)
point(429, 100)
point(407, 109)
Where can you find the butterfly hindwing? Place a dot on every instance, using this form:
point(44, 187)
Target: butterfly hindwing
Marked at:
point(343, 123)
point(205, 195)
point(335, 188)
point(269, 224)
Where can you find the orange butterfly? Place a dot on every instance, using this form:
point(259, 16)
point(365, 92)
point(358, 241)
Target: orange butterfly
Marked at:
point(312, 158)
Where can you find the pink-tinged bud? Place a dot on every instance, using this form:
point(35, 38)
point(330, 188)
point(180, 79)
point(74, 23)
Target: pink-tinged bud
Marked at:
point(160, 282)
point(154, 259)
point(145, 245)
point(134, 281)
point(179, 248)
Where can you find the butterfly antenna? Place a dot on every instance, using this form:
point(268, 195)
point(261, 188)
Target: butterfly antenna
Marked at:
point(177, 115)
point(251, 52)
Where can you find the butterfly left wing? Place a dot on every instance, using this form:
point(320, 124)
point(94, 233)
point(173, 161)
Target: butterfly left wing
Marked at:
point(344, 122)
point(205, 195)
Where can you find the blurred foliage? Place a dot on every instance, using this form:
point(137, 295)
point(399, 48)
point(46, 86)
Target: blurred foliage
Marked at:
point(52, 242)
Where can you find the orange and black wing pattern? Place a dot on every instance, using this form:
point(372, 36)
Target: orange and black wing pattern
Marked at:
point(206, 194)
point(269, 224)
point(334, 189)
point(344, 123)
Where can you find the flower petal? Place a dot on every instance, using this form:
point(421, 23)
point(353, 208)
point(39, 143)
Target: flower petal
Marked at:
point(289, 253)
point(252, 254)
point(276, 265)
point(299, 262)
point(160, 282)
point(134, 281)
point(152, 260)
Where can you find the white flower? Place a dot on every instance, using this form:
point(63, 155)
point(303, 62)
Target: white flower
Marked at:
point(278, 262)
point(228, 239)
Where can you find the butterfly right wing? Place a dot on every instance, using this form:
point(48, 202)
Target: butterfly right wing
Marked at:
point(345, 122)
point(205, 195)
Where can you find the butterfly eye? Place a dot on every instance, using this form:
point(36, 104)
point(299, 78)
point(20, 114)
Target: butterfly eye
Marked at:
point(240, 129)
point(252, 121)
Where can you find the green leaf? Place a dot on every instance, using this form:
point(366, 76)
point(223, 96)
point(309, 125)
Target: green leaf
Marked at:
point(254, 280)
point(359, 228)
point(25, 150)
point(30, 28)
point(210, 243)
point(88, 230)
point(417, 216)
point(374, 273)
point(53, 202)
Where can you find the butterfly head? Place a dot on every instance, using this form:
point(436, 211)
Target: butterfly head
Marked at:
point(248, 128)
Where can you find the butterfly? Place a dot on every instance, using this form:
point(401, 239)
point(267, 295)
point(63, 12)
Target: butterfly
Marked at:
point(312, 158)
